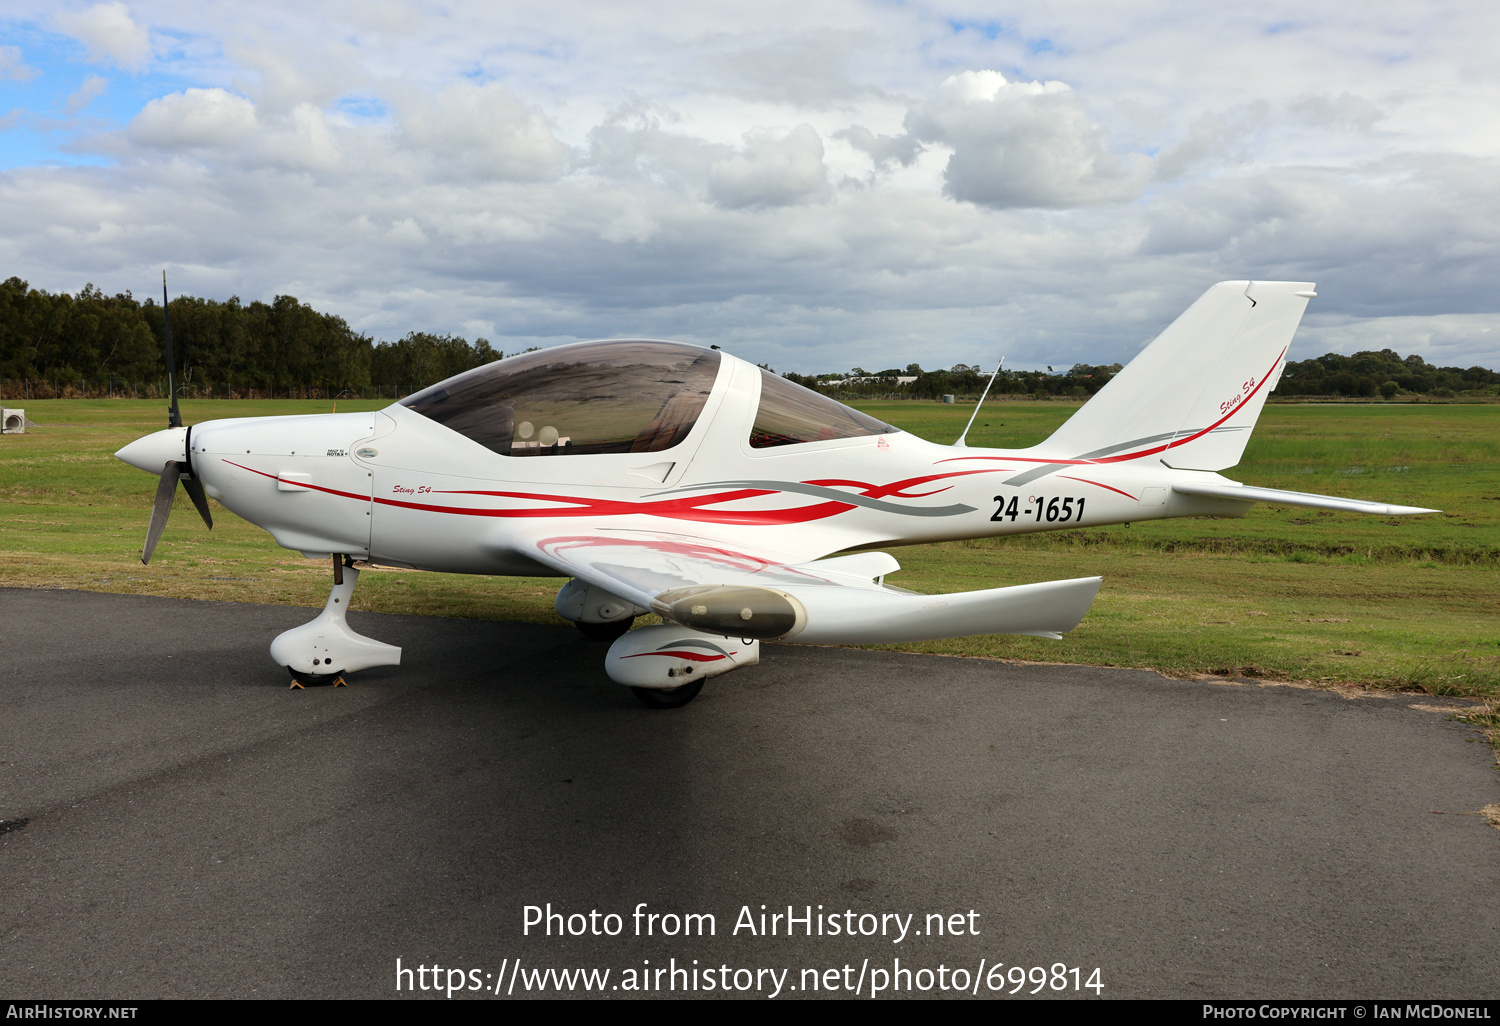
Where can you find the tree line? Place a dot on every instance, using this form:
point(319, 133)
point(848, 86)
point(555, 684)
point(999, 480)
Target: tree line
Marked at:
point(1366, 374)
point(1383, 373)
point(92, 343)
point(962, 380)
point(60, 344)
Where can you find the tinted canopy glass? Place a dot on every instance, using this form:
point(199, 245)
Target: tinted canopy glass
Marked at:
point(790, 414)
point(594, 397)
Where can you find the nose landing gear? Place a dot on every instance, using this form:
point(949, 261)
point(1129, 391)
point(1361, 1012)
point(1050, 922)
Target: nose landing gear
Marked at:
point(317, 680)
point(321, 652)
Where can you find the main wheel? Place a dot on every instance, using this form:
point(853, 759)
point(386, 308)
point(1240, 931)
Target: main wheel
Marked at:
point(313, 680)
point(604, 631)
point(668, 698)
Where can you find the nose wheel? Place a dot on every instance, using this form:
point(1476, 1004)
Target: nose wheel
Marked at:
point(317, 680)
point(668, 698)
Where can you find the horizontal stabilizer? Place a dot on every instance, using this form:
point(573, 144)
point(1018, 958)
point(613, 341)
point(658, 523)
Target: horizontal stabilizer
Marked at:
point(1247, 493)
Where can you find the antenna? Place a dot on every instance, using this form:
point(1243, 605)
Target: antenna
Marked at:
point(961, 444)
point(174, 418)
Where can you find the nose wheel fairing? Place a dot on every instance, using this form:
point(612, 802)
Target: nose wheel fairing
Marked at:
point(326, 647)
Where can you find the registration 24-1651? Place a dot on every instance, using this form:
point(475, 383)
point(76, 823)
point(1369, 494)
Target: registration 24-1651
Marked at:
point(1054, 509)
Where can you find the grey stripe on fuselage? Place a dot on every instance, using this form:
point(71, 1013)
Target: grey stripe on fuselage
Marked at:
point(1035, 472)
point(1183, 433)
point(1031, 475)
point(828, 493)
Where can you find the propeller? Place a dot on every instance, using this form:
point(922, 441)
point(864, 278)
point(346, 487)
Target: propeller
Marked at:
point(173, 471)
point(174, 416)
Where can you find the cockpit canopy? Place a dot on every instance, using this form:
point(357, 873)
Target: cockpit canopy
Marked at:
point(789, 414)
point(592, 397)
point(619, 396)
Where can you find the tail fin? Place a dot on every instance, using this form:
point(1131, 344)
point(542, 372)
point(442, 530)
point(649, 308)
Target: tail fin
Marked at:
point(1193, 395)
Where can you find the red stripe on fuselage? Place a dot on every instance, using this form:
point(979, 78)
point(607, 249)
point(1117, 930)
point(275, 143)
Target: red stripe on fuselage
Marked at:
point(1096, 484)
point(684, 508)
point(672, 509)
point(898, 489)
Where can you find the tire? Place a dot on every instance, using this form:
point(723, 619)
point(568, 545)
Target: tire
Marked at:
point(604, 631)
point(668, 698)
point(314, 680)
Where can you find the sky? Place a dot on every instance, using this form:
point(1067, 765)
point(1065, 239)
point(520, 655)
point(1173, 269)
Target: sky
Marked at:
point(816, 186)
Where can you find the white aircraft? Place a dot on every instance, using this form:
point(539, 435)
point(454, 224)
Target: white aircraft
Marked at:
point(667, 478)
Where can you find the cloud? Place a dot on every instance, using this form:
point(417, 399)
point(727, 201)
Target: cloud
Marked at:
point(562, 170)
point(480, 131)
point(13, 65)
point(634, 141)
point(809, 70)
point(1023, 144)
point(882, 149)
point(194, 119)
point(1345, 110)
point(1214, 136)
point(109, 33)
point(631, 226)
point(86, 94)
point(281, 74)
point(302, 139)
point(407, 233)
point(776, 167)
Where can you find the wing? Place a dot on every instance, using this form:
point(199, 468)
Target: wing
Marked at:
point(719, 585)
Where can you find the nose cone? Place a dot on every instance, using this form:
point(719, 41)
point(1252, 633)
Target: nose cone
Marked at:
point(155, 451)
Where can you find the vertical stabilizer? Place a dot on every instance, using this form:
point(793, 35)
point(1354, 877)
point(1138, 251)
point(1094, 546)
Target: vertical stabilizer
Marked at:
point(1193, 395)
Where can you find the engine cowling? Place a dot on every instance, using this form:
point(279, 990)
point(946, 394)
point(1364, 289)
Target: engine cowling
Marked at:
point(669, 656)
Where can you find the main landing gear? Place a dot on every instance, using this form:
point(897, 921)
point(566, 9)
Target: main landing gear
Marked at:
point(604, 631)
point(321, 652)
point(665, 665)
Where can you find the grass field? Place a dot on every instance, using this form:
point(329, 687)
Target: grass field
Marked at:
point(1281, 594)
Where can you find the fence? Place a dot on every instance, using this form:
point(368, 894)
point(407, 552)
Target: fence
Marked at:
point(22, 389)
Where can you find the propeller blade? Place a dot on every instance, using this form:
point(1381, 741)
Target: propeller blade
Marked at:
point(195, 492)
point(174, 418)
point(166, 490)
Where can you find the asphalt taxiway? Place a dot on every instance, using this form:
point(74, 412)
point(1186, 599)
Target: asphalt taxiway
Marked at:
point(194, 828)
